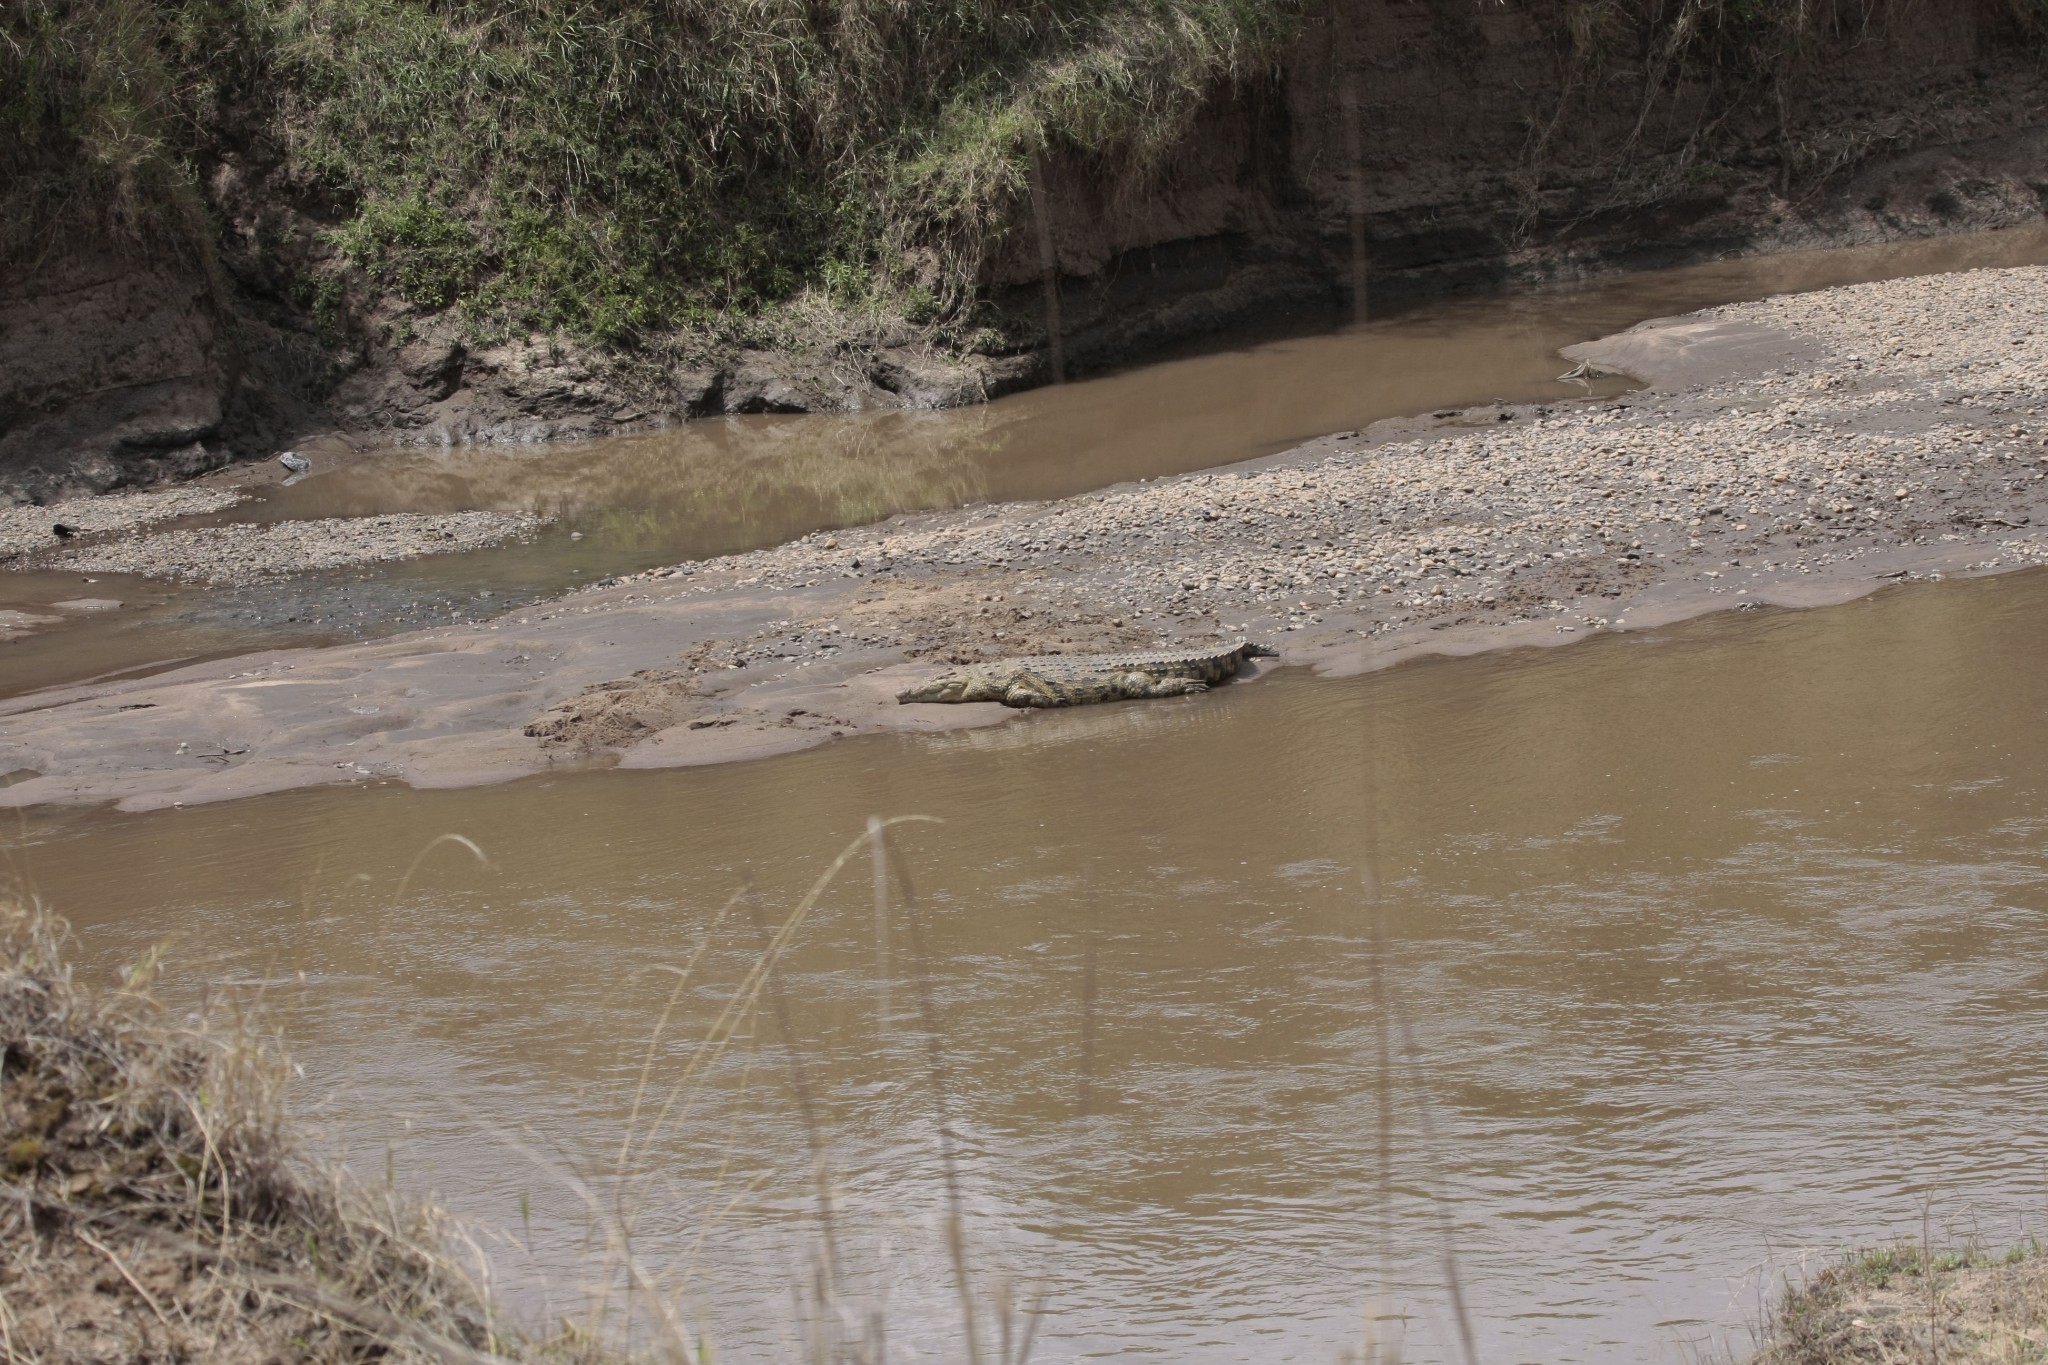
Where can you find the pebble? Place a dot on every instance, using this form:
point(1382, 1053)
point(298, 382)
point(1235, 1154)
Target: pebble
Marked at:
point(27, 528)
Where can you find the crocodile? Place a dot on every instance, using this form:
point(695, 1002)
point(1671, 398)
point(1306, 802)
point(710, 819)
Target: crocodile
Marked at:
point(1079, 679)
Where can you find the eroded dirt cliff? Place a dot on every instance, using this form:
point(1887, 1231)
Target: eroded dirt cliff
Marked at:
point(1414, 145)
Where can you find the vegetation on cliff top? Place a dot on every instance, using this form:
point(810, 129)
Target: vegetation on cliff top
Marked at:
point(622, 167)
point(613, 168)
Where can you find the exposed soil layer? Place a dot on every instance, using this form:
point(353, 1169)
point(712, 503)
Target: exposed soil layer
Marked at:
point(1492, 151)
point(1801, 450)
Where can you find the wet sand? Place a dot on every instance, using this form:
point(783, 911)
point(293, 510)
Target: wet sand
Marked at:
point(1797, 451)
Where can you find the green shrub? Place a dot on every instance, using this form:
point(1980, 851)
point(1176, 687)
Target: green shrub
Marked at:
point(611, 168)
point(426, 256)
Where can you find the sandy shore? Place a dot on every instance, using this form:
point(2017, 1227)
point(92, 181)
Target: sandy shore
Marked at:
point(1801, 450)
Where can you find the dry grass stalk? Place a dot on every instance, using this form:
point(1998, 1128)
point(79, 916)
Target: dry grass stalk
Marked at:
point(153, 1208)
point(1875, 1308)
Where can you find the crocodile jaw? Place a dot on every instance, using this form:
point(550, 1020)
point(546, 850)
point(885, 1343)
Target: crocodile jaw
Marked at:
point(938, 689)
point(948, 687)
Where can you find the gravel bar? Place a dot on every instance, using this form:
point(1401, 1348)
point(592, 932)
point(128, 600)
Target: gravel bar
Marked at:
point(1916, 422)
point(1796, 451)
point(26, 529)
point(250, 552)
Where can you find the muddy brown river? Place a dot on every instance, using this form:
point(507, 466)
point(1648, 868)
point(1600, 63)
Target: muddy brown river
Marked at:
point(716, 487)
point(1710, 950)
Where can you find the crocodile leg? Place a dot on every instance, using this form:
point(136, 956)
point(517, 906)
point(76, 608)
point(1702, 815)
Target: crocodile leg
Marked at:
point(1029, 690)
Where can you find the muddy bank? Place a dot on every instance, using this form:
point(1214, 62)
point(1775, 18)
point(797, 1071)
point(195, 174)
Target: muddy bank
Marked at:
point(1846, 439)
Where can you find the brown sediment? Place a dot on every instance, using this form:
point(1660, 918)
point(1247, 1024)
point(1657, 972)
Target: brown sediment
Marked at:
point(1801, 450)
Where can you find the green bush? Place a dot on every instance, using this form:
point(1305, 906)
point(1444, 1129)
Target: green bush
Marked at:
point(425, 255)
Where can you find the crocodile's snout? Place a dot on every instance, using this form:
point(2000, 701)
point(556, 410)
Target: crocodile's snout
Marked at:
point(946, 688)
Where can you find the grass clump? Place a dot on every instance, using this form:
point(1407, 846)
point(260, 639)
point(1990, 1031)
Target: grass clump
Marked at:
point(615, 169)
point(612, 168)
point(153, 1208)
point(1908, 1304)
point(95, 129)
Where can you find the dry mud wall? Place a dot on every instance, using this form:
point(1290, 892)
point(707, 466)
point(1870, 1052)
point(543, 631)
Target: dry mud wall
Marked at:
point(1511, 143)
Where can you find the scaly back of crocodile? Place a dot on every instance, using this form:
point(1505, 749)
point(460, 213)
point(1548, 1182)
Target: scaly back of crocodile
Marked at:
point(1220, 663)
point(1047, 680)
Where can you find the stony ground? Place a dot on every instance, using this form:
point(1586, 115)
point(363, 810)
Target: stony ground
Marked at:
point(244, 552)
point(27, 530)
point(1796, 451)
point(1918, 424)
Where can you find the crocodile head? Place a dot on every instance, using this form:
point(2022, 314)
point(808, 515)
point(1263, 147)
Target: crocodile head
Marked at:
point(1252, 651)
point(959, 685)
point(945, 687)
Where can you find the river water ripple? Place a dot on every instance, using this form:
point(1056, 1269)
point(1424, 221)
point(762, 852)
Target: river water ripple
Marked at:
point(1715, 949)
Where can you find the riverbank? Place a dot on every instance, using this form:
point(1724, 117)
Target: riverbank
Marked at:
point(1798, 451)
point(157, 1208)
point(305, 233)
point(1901, 1305)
